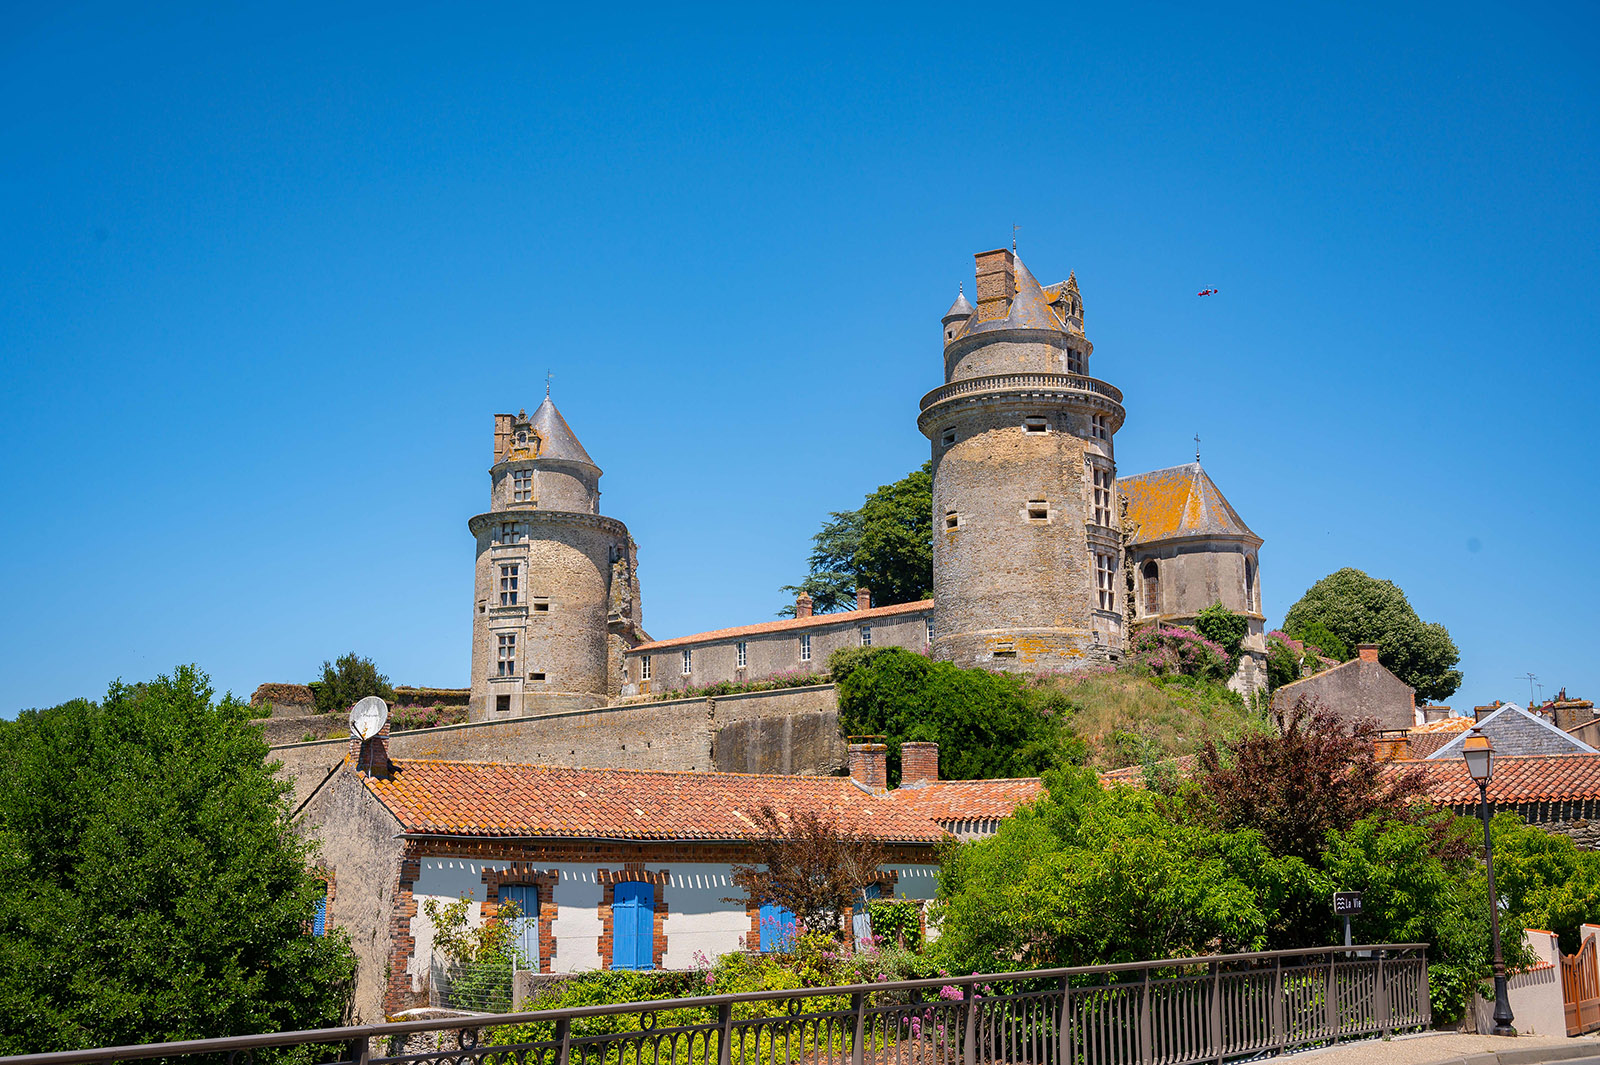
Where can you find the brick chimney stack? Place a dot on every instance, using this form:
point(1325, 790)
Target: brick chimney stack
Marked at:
point(997, 283)
point(372, 756)
point(919, 763)
point(863, 599)
point(1392, 748)
point(1368, 652)
point(803, 605)
point(869, 766)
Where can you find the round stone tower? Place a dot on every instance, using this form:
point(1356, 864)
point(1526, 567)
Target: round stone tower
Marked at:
point(1027, 535)
point(556, 594)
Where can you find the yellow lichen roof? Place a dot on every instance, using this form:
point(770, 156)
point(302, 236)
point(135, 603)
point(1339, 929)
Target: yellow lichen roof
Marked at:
point(1179, 501)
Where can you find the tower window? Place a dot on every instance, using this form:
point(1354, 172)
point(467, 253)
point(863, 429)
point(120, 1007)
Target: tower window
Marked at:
point(511, 533)
point(739, 655)
point(1074, 361)
point(1250, 604)
point(1150, 574)
point(521, 486)
point(536, 676)
point(1102, 495)
point(506, 661)
point(1035, 424)
point(930, 629)
point(1006, 649)
point(948, 437)
point(688, 662)
point(805, 647)
point(508, 584)
point(951, 520)
point(866, 636)
point(644, 668)
point(1105, 571)
point(1038, 510)
point(502, 703)
point(1099, 427)
point(540, 604)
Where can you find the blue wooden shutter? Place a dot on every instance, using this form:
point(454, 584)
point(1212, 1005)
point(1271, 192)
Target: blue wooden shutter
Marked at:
point(319, 919)
point(777, 927)
point(525, 929)
point(633, 919)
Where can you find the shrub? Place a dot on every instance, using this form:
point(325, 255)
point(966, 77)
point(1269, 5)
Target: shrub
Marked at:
point(1224, 628)
point(346, 681)
point(1166, 650)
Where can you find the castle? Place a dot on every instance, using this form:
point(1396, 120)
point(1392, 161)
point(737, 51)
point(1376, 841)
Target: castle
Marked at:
point(1043, 558)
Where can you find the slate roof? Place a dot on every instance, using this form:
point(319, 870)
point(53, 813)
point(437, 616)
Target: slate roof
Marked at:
point(1180, 501)
point(787, 624)
point(555, 802)
point(950, 801)
point(960, 308)
point(1514, 731)
point(557, 440)
point(1550, 778)
point(1030, 309)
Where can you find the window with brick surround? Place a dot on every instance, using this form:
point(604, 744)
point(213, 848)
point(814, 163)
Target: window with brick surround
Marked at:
point(688, 662)
point(866, 636)
point(1101, 513)
point(739, 655)
point(644, 668)
point(506, 655)
point(1099, 427)
point(521, 486)
point(1105, 572)
point(509, 575)
point(805, 647)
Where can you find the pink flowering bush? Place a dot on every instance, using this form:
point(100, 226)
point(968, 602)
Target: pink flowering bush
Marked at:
point(1167, 650)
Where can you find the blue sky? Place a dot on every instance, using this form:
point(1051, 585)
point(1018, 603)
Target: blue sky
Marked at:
point(266, 275)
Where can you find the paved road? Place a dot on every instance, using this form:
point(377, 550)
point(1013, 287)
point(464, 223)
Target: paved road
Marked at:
point(1451, 1048)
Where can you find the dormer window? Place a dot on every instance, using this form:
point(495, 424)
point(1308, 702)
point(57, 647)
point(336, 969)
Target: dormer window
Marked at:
point(522, 438)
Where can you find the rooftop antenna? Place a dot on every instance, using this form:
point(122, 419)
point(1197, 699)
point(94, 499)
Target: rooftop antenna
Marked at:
point(1197, 447)
point(1532, 677)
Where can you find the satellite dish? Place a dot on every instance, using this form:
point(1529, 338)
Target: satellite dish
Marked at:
point(368, 716)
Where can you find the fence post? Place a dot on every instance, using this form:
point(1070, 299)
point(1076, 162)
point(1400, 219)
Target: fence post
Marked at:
point(1216, 1010)
point(563, 1040)
point(1145, 1056)
point(858, 1050)
point(1424, 999)
point(969, 1054)
point(1332, 1003)
point(1063, 1032)
point(1280, 1026)
point(1383, 998)
point(725, 1039)
point(360, 1051)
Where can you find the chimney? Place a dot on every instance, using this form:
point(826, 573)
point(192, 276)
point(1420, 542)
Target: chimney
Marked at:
point(919, 763)
point(1570, 713)
point(997, 283)
point(869, 766)
point(1392, 748)
point(1481, 712)
point(371, 756)
point(1368, 652)
point(802, 605)
point(863, 599)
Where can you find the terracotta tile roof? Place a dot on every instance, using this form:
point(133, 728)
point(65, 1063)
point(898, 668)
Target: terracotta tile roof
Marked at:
point(1183, 765)
point(1425, 739)
point(1448, 725)
point(1179, 501)
point(1547, 778)
point(843, 617)
point(950, 801)
point(494, 799)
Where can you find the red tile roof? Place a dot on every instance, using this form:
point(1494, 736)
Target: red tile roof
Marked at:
point(843, 617)
point(949, 801)
point(1545, 778)
point(1183, 765)
point(493, 799)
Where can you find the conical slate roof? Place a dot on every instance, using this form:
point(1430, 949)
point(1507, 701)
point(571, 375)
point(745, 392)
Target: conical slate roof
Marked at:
point(960, 308)
point(557, 441)
point(1030, 309)
point(1179, 501)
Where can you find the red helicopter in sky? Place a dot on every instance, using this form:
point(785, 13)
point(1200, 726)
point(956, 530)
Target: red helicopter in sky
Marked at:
point(1206, 292)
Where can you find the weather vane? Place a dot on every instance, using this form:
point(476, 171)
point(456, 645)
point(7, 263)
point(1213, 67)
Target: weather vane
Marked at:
point(547, 375)
point(1197, 447)
point(1014, 228)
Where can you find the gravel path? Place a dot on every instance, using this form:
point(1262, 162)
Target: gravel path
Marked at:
point(1437, 1048)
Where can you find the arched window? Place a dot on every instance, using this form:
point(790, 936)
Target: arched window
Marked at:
point(1151, 575)
point(1250, 584)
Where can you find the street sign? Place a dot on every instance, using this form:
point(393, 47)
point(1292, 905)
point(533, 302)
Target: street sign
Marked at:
point(1346, 903)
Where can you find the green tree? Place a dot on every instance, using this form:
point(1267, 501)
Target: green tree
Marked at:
point(986, 724)
point(1283, 664)
point(347, 681)
point(885, 545)
point(1225, 628)
point(154, 887)
point(1545, 880)
point(1318, 638)
point(1361, 609)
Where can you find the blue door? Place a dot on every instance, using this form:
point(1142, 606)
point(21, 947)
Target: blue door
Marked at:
point(777, 928)
point(860, 919)
point(525, 929)
point(633, 926)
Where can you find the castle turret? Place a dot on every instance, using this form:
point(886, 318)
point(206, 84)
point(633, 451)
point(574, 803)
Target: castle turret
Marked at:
point(556, 596)
point(1026, 529)
point(955, 319)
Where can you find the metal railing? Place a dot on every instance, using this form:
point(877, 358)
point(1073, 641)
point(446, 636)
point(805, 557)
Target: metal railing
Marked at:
point(1169, 1012)
point(1051, 382)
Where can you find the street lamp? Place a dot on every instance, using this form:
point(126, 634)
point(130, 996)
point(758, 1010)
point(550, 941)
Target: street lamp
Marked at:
point(1478, 753)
